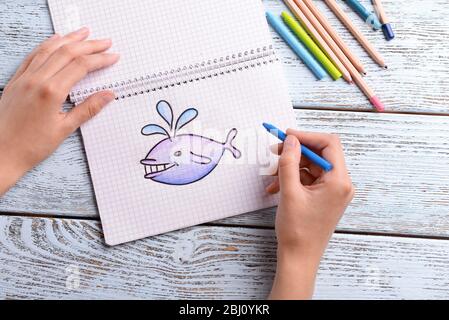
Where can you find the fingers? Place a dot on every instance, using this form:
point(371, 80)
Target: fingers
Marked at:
point(328, 145)
point(26, 63)
point(289, 166)
point(313, 169)
point(47, 49)
point(68, 52)
point(306, 179)
point(80, 67)
point(274, 187)
point(87, 110)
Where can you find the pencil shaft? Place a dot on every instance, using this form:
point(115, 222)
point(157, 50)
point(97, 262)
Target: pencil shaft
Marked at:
point(296, 45)
point(306, 24)
point(387, 29)
point(335, 36)
point(335, 48)
point(311, 45)
point(343, 17)
point(352, 70)
point(380, 11)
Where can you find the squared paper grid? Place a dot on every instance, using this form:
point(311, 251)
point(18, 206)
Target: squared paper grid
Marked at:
point(132, 207)
point(158, 36)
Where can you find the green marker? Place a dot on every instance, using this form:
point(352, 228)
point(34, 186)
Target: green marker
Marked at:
point(311, 45)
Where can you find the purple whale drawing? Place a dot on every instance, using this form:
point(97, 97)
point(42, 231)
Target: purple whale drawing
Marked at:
point(186, 158)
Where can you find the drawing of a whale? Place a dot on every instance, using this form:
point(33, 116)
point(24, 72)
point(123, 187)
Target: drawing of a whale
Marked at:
point(186, 158)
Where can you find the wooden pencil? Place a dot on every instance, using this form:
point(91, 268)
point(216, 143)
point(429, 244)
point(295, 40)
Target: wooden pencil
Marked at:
point(335, 36)
point(365, 88)
point(343, 17)
point(386, 26)
point(380, 11)
point(322, 31)
point(306, 24)
point(356, 77)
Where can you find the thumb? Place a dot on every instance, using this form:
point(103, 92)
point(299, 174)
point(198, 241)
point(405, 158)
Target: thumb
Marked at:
point(89, 108)
point(289, 162)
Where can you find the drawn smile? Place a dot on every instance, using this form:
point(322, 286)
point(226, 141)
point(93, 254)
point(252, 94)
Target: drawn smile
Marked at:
point(151, 170)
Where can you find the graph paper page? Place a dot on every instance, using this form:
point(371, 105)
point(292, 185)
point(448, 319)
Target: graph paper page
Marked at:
point(234, 100)
point(155, 37)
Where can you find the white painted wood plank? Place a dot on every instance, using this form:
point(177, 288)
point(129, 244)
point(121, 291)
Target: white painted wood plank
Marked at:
point(42, 258)
point(417, 81)
point(399, 164)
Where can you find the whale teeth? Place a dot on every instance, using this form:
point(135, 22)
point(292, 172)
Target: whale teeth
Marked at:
point(156, 168)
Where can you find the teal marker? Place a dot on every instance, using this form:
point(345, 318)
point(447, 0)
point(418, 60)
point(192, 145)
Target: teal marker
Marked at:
point(296, 45)
point(309, 154)
point(369, 17)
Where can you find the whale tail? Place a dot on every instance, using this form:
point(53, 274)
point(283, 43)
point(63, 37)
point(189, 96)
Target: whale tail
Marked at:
point(228, 145)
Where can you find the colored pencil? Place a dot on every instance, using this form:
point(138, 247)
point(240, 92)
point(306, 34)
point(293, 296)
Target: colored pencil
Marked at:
point(296, 45)
point(356, 77)
point(375, 101)
point(324, 34)
point(311, 45)
point(367, 16)
point(308, 26)
point(386, 26)
point(309, 154)
point(335, 36)
point(332, 4)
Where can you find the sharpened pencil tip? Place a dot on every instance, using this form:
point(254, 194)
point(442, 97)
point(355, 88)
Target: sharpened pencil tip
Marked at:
point(385, 67)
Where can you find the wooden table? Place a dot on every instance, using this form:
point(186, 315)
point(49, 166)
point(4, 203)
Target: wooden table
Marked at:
point(393, 242)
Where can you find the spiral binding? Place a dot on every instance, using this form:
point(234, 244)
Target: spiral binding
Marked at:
point(187, 74)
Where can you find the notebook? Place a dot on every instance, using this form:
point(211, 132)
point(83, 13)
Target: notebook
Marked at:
point(183, 143)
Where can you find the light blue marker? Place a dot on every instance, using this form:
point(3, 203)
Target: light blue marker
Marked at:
point(309, 154)
point(296, 45)
point(369, 17)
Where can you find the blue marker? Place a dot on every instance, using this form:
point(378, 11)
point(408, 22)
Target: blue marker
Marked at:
point(369, 17)
point(309, 154)
point(296, 45)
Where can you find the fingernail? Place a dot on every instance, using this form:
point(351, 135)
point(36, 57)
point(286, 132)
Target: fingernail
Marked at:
point(108, 97)
point(116, 56)
point(290, 142)
point(275, 148)
point(83, 30)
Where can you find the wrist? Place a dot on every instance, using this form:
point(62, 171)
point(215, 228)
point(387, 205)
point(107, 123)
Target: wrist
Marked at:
point(303, 251)
point(295, 275)
point(10, 171)
point(297, 256)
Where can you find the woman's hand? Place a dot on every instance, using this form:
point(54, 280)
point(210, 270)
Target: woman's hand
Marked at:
point(32, 123)
point(312, 203)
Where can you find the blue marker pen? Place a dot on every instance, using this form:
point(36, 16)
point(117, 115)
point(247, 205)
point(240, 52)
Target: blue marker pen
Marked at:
point(369, 17)
point(309, 154)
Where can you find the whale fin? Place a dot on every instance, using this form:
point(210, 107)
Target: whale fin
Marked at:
point(200, 159)
point(228, 145)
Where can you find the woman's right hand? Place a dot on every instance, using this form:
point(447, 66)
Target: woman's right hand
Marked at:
point(312, 203)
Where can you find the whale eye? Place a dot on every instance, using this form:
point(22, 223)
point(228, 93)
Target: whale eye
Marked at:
point(178, 153)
